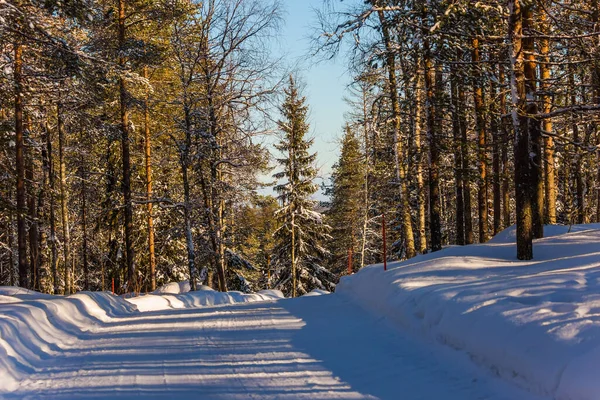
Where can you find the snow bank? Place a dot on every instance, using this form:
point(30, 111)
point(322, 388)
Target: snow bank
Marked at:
point(201, 298)
point(316, 292)
point(35, 327)
point(534, 322)
point(173, 288)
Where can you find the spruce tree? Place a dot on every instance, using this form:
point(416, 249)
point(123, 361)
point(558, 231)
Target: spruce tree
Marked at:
point(347, 203)
point(299, 250)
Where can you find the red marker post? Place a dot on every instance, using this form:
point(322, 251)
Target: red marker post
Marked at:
point(384, 242)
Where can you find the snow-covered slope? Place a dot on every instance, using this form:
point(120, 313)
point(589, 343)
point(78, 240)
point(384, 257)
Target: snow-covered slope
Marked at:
point(35, 327)
point(200, 298)
point(534, 322)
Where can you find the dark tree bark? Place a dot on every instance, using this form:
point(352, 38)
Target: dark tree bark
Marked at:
point(20, 166)
point(187, 207)
point(496, 138)
point(481, 144)
point(505, 146)
point(458, 172)
point(464, 150)
point(521, 128)
point(576, 168)
point(42, 208)
point(11, 255)
point(596, 89)
point(32, 212)
point(434, 152)
point(535, 129)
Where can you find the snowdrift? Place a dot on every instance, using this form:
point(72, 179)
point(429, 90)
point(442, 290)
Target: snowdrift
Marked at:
point(534, 322)
point(201, 298)
point(36, 327)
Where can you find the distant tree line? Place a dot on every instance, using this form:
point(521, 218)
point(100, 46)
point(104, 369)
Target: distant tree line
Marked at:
point(132, 138)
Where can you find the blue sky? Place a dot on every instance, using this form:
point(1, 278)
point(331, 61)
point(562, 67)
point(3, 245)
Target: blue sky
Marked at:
point(325, 82)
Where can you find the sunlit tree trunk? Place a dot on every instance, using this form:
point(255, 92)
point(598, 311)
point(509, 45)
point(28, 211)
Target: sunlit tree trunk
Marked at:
point(458, 172)
point(62, 184)
point(481, 144)
point(20, 166)
point(405, 216)
point(51, 197)
point(421, 220)
point(125, 153)
point(550, 173)
point(148, 161)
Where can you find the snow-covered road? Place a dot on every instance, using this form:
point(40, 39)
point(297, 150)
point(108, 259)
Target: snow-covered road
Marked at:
point(318, 347)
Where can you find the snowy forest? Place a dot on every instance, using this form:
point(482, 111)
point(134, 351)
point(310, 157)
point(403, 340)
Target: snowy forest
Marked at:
point(135, 138)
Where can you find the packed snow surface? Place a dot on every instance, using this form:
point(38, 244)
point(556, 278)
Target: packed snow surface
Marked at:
point(534, 322)
point(204, 297)
point(96, 345)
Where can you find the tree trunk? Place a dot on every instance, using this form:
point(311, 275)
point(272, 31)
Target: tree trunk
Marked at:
point(496, 138)
point(481, 144)
point(189, 239)
point(458, 173)
point(535, 134)
point(405, 217)
point(187, 208)
point(20, 166)
point(505, 141)
point(576, 169)
point(464, 154)
point(293, 255)
point(11, 258)
point(126, 158)
point(421, 220)
point(86, 272)
point(550, 173)
point(521, 144)
point(596, 89)
point(62, 183)
point(148, 160)
point(51, 192)
point(33, 225)
point(367, 170)
point(434, 153)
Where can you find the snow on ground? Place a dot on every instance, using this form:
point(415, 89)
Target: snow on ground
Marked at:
point(200, 298)
point(535, 322)
point(320, 347)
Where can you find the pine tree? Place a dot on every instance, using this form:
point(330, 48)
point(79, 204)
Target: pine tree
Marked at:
point(299, 250)
point(347, 204)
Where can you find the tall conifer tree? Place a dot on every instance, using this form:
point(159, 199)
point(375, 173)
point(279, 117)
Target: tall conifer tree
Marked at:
point(299, 249)
point(347, 204)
